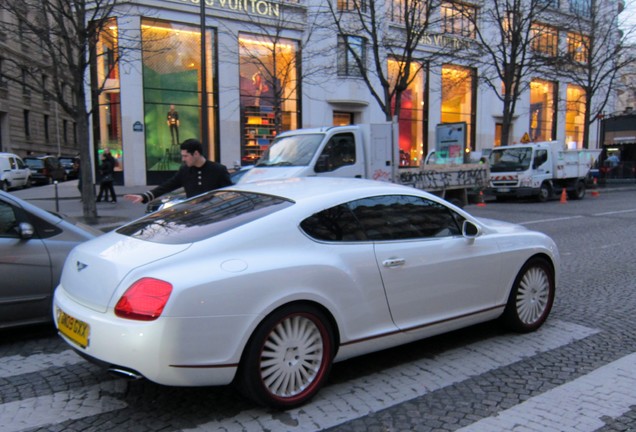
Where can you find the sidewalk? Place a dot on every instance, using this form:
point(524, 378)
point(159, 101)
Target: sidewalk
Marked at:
point(68, 203)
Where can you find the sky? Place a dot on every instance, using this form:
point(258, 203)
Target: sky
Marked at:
point(629, 16)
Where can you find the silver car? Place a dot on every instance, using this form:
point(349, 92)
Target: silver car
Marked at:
point(33, 246)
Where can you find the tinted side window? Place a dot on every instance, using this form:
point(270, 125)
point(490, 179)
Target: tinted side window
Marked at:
point(334, 224)
point(8, 221)
point(398, 217)
point(339, 151)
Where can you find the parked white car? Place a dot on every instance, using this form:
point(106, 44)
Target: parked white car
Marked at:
point(267, 284)
point(14, 173)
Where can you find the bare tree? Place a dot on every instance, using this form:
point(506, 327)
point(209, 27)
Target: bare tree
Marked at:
point(507, 53)
point(66, 33)
point(596, 54)
point(393, 30)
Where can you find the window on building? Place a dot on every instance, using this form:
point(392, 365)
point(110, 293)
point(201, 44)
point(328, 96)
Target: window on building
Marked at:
point(545, 39)
point(2, 80)
point(580, 7)
point(269, 88)
point(458, 19)
point(411, 116)
point(543, 96)
point(458, 98)
point(342, 118)
point(498, 129)
point(173, 92)
point(65, 131)
point(26, 114)
point(347, 64)
point(401, 11)
point(574, 116)
point(352, 5)
point(24, 81)
point(107, 110)
point(578, 47)
point(46, 128)
point(549, 3)
point(45, 85)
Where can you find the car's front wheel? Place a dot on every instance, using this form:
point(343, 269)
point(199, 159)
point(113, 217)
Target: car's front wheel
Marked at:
point(531, 297)
point(4, 186)
point(545, 192)
point(288, 358)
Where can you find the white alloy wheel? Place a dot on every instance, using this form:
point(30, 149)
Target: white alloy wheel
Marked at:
point(531, 297)
point(288, 358)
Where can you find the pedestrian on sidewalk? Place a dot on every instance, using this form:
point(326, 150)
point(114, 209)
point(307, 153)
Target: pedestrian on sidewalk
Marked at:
point(196, 176)
point(106, 170)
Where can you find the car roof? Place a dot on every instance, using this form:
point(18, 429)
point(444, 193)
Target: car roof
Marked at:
point(299, 189)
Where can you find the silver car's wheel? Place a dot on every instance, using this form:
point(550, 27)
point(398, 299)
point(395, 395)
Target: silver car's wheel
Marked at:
point(288, 358)
point(4, 186)
point(531, 297)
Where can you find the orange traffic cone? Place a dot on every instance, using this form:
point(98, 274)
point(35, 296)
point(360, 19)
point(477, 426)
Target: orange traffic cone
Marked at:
point(594, 192)
point(564, 196)
point(480, 200)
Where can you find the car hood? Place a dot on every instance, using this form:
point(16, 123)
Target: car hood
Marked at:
point(267, 173)
point(500, 226)
point(94, 270)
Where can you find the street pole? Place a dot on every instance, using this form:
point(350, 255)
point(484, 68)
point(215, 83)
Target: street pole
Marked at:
point(205, 139)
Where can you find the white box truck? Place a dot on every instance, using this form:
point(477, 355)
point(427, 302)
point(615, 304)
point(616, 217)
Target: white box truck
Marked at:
point(540, 170)
point(362, 151)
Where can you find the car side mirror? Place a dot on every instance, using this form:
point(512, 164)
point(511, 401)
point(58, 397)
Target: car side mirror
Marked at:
point(25, 230)
point(470, 230)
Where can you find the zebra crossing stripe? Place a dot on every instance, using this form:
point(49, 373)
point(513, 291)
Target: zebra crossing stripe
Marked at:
point(336, 404)
point(20, 365)
point(59, 407)
point(576, 406)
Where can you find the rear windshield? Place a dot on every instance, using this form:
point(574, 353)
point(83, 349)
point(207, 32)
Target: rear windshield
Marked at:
point(203, 217)
point(35, 163)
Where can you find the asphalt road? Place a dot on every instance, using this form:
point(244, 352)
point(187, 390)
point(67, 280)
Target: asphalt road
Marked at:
point(575, 374)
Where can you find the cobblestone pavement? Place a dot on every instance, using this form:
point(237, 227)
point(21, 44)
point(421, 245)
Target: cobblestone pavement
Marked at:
point(577, 373)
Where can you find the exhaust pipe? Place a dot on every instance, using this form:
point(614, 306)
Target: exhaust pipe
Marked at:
point(125, 373)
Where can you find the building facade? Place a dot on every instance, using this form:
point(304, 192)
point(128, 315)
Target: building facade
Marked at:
point(30, 120)
point(234, 73)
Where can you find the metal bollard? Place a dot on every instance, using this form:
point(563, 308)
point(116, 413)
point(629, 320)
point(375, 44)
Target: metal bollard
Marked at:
point(57, 198)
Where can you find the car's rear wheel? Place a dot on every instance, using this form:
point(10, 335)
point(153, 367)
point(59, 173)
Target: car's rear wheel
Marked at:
point(531, 297)
point(288, 358)
point(4, 186)
point(578, 192)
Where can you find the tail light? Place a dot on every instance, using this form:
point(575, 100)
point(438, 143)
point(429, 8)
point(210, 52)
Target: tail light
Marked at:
point(144, 300)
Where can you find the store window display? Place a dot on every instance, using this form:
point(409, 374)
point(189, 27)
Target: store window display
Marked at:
point(172, 76)
point(268, 86)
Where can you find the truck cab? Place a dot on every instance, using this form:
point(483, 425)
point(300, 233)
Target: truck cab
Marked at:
point(539, 170)
point(339, 151)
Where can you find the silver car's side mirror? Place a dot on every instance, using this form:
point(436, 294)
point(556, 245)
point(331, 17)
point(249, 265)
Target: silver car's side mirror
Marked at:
point(25, 230)
point(470, 230)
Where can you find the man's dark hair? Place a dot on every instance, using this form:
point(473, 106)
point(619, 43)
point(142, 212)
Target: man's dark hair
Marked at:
point(191, 145)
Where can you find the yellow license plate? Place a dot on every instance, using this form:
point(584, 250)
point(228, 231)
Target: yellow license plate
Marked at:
point(76, 330)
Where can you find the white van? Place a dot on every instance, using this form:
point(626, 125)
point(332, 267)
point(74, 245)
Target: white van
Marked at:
point(13, 172)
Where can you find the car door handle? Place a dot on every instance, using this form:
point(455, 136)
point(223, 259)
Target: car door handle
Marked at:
point(393, 262)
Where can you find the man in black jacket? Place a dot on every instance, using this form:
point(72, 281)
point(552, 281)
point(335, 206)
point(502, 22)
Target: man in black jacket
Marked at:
point(197, 175)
